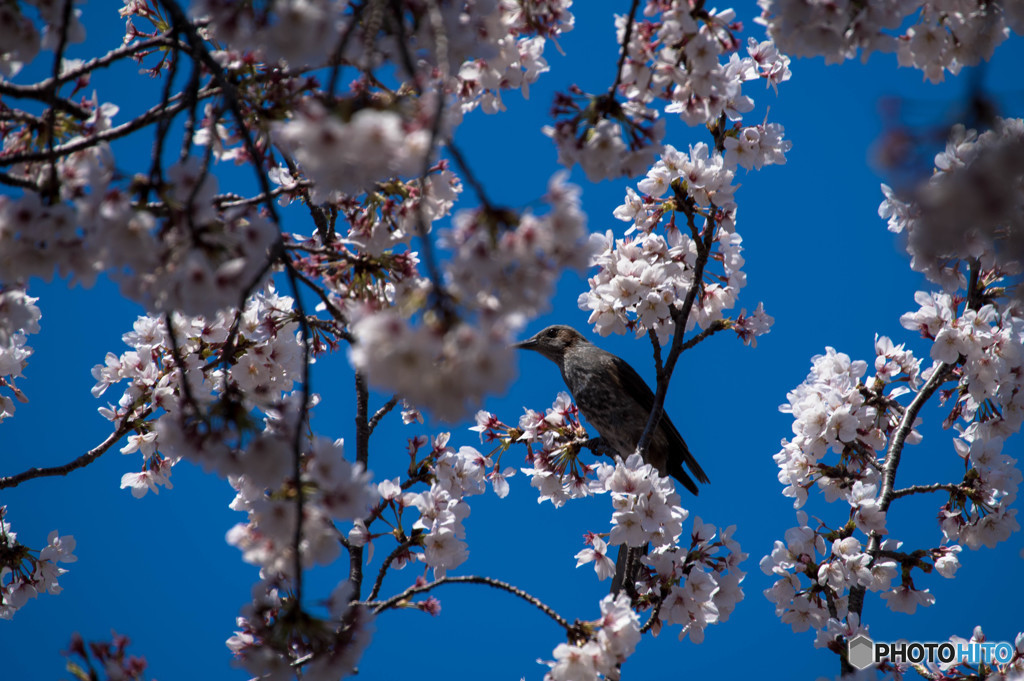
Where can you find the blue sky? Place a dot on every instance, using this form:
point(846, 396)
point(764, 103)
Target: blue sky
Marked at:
point(159, 571)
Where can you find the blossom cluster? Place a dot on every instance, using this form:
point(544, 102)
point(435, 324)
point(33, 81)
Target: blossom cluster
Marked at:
point(91, 227)
point(438, 531)
point(190, 255)
point(512, 269)
point(19, 38)
point(838, 411)
point(606, 139)
point(702, 582)
point(940, 36)
point(616, 634)
point(109, 655)
point(350, 156)
point(19, 34)
point(553, 441)
point(176, 378)
point(677, 61)
point(269, 645)
point(299, 32)
point(833, 410)
point(642, 280)
point(208, 416)
point(19, 317)
point(23, 576)
point(970, 207)
point(204, 260)
point(687, 57)
point(312, 32)
point(519, 53)
point(372, 266)
point(447, 371)
point(501, 272)
point(850, 429)
point(333, 490)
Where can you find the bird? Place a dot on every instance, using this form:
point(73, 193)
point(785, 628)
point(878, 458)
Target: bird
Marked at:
point(616, 401)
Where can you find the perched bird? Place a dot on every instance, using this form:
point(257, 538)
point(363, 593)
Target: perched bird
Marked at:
point(615, 400)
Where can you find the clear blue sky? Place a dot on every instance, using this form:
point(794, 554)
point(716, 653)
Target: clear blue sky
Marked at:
point(159, 571)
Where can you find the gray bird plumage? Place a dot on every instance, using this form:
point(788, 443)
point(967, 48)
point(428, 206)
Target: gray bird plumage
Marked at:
point(615, 400)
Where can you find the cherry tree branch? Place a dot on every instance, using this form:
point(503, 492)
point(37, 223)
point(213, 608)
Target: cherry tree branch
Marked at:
point(679, 316)
point(38, 90)
point(655, 616)
point(625, 48)
point(399, 599)
point(716, 326)
point(470, 177)
point(126, 426)
point(355, 554)
point(892, 457)
point(50, 184)
point(151, 116)
point(924, 489)
point(402, 547)
point(381, 413)
point(892, 462)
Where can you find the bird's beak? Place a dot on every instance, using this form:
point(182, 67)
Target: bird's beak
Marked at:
point(528, 344)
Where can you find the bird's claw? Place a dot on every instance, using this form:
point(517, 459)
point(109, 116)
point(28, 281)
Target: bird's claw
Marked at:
point(599, 446)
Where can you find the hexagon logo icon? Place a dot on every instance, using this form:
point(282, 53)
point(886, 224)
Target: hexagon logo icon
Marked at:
point(861, 652)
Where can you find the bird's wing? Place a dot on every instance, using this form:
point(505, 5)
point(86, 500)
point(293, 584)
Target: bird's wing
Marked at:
point(635, 385)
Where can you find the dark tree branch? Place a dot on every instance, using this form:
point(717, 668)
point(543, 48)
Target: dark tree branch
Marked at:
point(355, 554)
point(680, 316)
point(381, 413)
point(145, 119)
point(127, 425)
point(398, 599)
point(924, 489)
point(395, 553)
point(625, 48)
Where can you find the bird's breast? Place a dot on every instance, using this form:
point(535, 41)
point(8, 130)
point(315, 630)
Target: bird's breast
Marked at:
point(616, 416)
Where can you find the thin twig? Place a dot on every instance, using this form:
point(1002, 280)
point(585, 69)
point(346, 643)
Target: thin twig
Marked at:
point(303, 419)
point(355, 554)
point(892, 462)
point(186, 387)
point(126, 425)
point(470, 177)
point(679, 317)
point(38, 90)
point(625, 48)
point(333, 309)
point(382, 412)
point(15, 181)
point(339, 50)
point(924, 489)
point(78, 144)
point(892, 456)
point(655, 612)
point(52, 189)
point(402, 547)
point(398, 599)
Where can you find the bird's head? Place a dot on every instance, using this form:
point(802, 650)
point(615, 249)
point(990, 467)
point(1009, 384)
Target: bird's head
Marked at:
point(553, 342)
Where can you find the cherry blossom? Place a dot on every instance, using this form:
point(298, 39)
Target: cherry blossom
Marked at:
point(940, 36)
point(24, 572)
